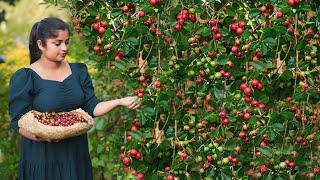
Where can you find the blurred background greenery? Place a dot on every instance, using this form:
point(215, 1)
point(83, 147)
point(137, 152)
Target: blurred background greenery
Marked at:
point(16, 20)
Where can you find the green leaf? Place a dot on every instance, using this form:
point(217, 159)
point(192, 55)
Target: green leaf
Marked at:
point(118, 65)
point(135, 134)
point(223, 59)
point(133, 40)
point(150, 111)
point(287, 115)
point(204, 31)
point(218, 93)
point(254, 12)
point(264, 150)
point(270, 41)
point(286, 75)
point(278, 127)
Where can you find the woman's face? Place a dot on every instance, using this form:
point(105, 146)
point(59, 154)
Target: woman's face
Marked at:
point(56, 49)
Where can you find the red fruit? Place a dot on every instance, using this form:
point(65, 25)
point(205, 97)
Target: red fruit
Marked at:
point(149, 22)
point(138, 156)
point(96, 26)
point(224, 121)
point(291, 2)
point(101, 30)
point(286, 22)
point(246, 116)
point(316, 170)
point(183, 156)
point(210, 159)
point(103, 24)
point(243, 86)
point(141, 14)
point(181, 21)
point(279, 14)
point(133, 152)
point(291, 164)
point(242, 24)
point(141, 78)
point(234, 49)
point(140, 176)
point(134, 128)
point(206, 165)
point(239, 31)
point(117, 58)
point(247, 91)
point(262, 9)
point(263, 169)
point(254, 82)
point(233, 27)
point(223, 114)
point(192, 17)
point(202, 73)
point(126, 169)
point(170, 177)
point(261, 106)
point(293, 109)
point(217, 36)
point(250, 173)
point(157, 84)
point(177, 27)
point(99, 42)
point(167, 168)
point(242, 134)
point(260, 86)
point(96, 48)
point(254, 102)
point(226, 75)
point(230, 63)
point(244, 127)
point(126, 161)
point(212, 22)
point(129, 138)
point(153, 2)
point(237, 42)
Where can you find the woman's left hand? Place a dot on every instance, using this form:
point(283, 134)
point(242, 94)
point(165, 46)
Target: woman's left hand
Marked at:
point(132, 102)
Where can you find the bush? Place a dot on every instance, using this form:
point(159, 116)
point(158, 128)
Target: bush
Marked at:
point(230, 88)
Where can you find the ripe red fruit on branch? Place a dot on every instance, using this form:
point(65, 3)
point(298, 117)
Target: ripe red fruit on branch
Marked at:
point(183, 156)
point(103, 24)
point(157, 84)
point(141, 14)
point(247, 91)
point(246, 116)
point(153, 2)
point(133, 152)
point(262, 9)
point(126, 161)
point(101, 30)
point(170, 177)
point(263, 169)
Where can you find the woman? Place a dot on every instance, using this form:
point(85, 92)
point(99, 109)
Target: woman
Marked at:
point(51, 84)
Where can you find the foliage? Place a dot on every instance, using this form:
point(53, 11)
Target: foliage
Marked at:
point(231, 88)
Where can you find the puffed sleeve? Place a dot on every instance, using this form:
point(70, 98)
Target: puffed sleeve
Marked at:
point(91, 100)
point(20, 96)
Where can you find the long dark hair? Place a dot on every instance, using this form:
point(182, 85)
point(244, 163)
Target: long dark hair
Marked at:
point(42, 30)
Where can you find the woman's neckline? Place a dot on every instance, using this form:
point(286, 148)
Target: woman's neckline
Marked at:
point(51, 80)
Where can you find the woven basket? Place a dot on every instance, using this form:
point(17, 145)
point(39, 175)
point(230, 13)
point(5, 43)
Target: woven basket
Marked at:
point(31, 124)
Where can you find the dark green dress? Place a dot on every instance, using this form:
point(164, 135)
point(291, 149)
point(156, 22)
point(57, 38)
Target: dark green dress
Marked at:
point(67, 159)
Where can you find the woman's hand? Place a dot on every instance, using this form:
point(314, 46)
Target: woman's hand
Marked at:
point(33, 137)
point(132, 102)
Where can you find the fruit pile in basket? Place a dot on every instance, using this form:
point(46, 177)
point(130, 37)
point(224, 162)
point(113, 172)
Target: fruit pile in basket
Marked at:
point(59, 119)
point(56, 125)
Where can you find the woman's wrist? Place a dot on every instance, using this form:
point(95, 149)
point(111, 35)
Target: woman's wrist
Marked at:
point(120, 103)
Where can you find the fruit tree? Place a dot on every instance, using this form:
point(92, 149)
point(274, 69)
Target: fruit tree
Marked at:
point(229, 88)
